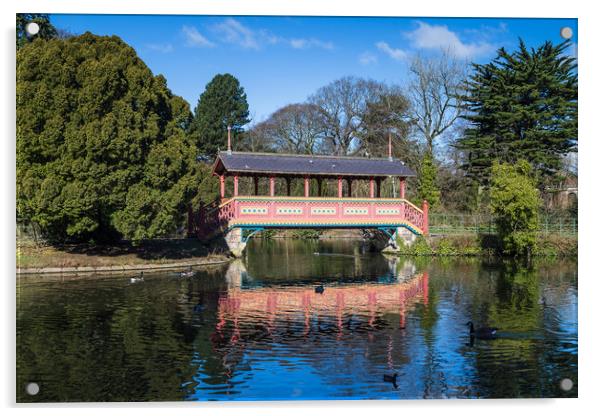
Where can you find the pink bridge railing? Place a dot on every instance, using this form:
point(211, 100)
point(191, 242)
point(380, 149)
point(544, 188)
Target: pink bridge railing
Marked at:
point(289, 212)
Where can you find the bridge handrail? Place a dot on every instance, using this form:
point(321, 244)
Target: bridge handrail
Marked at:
point(318, 198)
point(218, 213)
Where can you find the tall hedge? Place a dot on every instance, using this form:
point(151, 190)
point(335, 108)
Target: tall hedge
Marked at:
point(515, 204)
point(101, 146)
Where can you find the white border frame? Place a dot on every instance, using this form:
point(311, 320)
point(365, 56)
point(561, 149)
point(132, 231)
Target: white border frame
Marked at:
point(590, 145)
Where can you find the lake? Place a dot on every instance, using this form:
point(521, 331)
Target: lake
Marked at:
point(256, 329)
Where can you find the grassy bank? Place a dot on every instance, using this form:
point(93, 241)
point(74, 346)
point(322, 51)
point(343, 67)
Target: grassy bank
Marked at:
point(155, 252)
point(549, 245)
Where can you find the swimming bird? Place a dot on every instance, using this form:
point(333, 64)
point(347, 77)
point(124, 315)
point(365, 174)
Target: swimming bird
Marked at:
point(140, 278)
point(187, 273)
point(391, 379)
point(320, 289)
point(482, 333)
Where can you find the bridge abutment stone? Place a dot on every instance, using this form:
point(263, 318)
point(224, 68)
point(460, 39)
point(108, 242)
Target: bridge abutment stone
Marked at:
point(235, 242)
point(402, 234)
point(406, 236)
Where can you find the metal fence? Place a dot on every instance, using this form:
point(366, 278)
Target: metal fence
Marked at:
point(484, 224)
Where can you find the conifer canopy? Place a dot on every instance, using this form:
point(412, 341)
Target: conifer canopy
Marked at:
point(522, 105)
point(101, 146)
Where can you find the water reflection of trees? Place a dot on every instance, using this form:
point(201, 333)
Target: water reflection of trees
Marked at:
point(108, 340)
point(520, 363)
point(115, 341)
point(535, 343)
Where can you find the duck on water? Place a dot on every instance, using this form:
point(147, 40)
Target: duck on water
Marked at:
point(139, 278)
point(387, 378)
point(187, 273)
point(483, 332)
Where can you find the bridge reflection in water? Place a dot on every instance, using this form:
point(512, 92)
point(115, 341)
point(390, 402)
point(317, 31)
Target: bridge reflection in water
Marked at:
point(300, 307)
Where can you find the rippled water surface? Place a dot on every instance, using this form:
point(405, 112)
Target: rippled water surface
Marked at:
point(256, 329)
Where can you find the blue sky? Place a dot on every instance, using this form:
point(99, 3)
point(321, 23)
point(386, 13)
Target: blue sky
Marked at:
point(281, 60)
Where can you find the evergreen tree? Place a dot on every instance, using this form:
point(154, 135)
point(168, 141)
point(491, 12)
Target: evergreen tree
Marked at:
point(522, 105)
point(47, 30)
point(101, 146)
point(222, 104)
point(515, 204)
point(427, 181)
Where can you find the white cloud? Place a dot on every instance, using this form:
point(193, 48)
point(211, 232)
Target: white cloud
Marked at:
point(368, 58)
point(232, 31)
point(440, 37)
point(269, 37)
point(194, 38)
point(160, 47)
point(310, 43)
point(397, 54)
point(487, 31)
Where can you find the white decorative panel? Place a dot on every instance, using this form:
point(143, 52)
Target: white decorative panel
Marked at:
point(387, 211)
point(253, 211)
point(323, 211)
point(356, 211)
point(289, 211)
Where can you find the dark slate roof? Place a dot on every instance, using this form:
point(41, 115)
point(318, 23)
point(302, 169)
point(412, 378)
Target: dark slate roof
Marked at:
point(284, 164)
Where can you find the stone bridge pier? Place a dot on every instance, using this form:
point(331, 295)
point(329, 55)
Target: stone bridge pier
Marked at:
point(236, 243)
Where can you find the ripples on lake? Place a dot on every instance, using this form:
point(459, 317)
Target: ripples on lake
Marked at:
point(256, 330)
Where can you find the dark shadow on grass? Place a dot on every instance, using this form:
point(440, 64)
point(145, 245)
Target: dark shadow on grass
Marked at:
point(160, 249)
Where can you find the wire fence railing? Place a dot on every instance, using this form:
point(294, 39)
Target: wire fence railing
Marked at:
point(440, 223)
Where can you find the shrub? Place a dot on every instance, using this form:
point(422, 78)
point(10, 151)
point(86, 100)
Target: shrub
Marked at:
point(446, 247)
point(515, 203)
point(420, 247)
point(556, 246)
point(427, 182)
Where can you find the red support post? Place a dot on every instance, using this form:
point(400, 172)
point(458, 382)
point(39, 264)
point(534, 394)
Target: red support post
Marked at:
point(340, 187)
point(235, 185)
point(402, 188)
point(371, 187)
point(272, 183)
point(425, 217)
point(222, 186)
point(306, 183)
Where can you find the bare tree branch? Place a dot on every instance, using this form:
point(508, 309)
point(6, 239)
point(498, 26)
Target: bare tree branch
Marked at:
point(434, 92)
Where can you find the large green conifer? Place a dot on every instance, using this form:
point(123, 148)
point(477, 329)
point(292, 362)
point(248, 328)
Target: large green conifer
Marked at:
point(222, 104)
point(101, 146)
point(522, 105)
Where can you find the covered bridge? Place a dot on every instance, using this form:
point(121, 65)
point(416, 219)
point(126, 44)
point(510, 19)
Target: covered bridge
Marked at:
point(235, 212)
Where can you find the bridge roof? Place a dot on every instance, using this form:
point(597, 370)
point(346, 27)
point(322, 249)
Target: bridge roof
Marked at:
point(316, 165)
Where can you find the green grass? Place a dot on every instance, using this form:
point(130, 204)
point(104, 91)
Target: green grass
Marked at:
point(549, 245)
point(30, 255)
